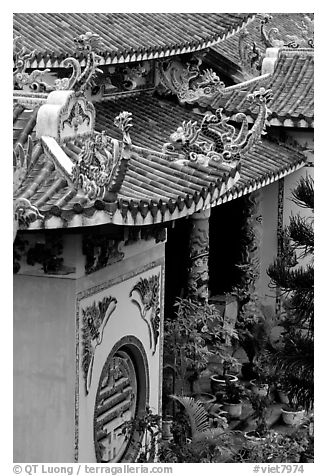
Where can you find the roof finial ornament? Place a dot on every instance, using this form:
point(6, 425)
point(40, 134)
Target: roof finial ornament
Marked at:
point(250, 56)
point(35, 79)
point(269, 38)
point(102, 163)
point(307, 32)
point(87, 43)
point(225, 143)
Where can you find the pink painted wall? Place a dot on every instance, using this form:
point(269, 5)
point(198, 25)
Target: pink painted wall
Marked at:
point(44, 369)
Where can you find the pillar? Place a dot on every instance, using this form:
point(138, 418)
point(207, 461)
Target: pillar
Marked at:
point(198, 273)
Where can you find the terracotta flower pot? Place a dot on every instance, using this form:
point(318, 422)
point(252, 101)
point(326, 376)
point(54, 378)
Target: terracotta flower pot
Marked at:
point(218, 382)
point(293, 417)
point(234, 409)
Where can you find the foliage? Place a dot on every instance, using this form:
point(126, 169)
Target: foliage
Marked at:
point(296, 447)
point(251, 328)
point(294, 360)
point(260, 407)
point(193, 336)
point(234, 392)
point(211, 449)
point(194, 440)
point(198, 416)
point(144, 431)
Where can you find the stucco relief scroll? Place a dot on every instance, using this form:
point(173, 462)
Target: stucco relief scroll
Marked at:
point(145, 294)
point(94, 320)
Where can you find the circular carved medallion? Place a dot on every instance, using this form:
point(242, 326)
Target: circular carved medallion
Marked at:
point(120, 397)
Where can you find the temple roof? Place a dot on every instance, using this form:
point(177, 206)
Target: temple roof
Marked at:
point(126, 37)
point(288, 25)
point(154, 188)
point(292, 85)
point(155, 118)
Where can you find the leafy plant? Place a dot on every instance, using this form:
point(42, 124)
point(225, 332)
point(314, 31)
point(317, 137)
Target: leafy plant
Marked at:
point(296, 447)
point(210, 449)
point(233, 392)
point(260, 409)
point(194, 335)
point(205, 443)
point(144, 431)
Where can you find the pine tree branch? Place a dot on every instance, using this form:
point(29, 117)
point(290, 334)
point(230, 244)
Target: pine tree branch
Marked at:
point(301, 232)
point(303, 194)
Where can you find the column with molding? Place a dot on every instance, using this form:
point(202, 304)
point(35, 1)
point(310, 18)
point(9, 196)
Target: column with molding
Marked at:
point(198, 272)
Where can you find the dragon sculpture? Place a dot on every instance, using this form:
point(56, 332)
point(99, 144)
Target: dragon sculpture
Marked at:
point(102, 162)
point(79, 81)
point(306, 30)
point(225, 142)
point(188, 83)
point(35, 79)
point(87, 43)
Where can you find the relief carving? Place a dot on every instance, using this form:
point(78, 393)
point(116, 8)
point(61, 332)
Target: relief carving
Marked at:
point(145, 294)
point(94, 320)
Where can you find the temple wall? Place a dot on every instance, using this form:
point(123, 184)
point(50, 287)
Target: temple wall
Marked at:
point(44, 369)
point(55, 398)
point(116, 283)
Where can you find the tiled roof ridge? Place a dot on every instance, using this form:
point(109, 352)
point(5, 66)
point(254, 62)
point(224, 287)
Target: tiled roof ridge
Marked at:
point(288, 51)
point(51, 57)
point(284, 31)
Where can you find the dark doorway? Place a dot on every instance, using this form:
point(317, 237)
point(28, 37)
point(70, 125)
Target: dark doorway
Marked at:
point(177, 262)
point(226, 246)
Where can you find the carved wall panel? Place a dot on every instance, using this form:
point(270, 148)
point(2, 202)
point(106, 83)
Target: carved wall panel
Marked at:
point(145, 294)
point(118, 357)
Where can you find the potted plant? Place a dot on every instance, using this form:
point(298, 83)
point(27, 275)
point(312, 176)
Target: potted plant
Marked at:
point(252, 330)
point(198, 442)
point(232, 399)
point(278, 448)
point(260, 385)
point(293, 414)
point(185, 350)
point(219, 381)
point(191, 339)
point(260, 408)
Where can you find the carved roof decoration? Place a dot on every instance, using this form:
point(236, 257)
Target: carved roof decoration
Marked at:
point(154, 189)
point(187, 82)
point(79, 81)
point(102, 163)
point(127, 37)
point(292, 85)
point(24, 212)
point(221, 146)
point(242, 54)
